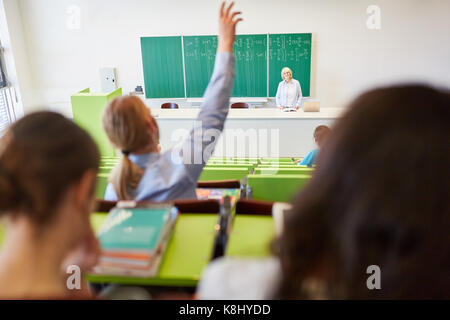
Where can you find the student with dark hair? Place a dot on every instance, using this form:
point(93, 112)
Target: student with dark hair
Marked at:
point(48, 168)
point(145, 174)
point(379, 197)
point(376, 213)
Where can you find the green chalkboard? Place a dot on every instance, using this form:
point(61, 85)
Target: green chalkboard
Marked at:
point(250, 53)
point(163, 67)
point(293, 51)
point(199, 57)
point(259, 60)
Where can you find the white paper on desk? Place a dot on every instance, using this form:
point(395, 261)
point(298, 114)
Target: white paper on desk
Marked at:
point(289, 109)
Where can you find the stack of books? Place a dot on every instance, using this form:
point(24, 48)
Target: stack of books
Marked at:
point(133, 240)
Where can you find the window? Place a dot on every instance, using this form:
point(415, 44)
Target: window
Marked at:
point(5, 111)
point(5, 100)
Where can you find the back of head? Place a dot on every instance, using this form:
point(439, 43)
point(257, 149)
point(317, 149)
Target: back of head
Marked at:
point(41, 155)
point(379, 196)
point(125, 121)
point(321, 133)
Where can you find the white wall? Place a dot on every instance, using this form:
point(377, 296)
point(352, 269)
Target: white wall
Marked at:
point(412, 45)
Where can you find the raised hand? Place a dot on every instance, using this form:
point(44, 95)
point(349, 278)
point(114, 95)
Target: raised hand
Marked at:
point(227, 28)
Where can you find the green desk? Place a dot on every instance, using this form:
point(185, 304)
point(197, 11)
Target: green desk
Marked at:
point(251, 236)
point(209, 174)
point(108, 163)
point(187, 253)
point(102, 183)
point(281, 165)
point(87, 110)
point(105, 169)
point(247, 166)
point(265, 160)
point(281, 188)
point(278, 170)
point(232, 162)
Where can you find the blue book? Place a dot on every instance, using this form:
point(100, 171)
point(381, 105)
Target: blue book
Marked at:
point(136, 228)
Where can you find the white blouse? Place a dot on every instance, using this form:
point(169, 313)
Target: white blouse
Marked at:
point(289, 94)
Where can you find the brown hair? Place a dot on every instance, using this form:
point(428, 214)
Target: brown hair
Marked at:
point(321, 133)
point(379, 196)
point(125, 123)
point(40, 156)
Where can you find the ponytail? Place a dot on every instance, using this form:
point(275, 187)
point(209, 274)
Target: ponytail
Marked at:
point(125, 177)
point(126, 121)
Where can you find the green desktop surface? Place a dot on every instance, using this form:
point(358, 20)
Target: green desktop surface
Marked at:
point(188, 252)
point(250, 236)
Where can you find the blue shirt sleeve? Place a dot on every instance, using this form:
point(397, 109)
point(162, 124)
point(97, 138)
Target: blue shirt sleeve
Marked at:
point(200, 144)
point(110, 195)
point(310, 159)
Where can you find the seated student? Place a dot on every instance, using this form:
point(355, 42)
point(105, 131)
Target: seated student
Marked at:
point(145, 174)
point(320, 135)
point(48, 168)
point(378, 199)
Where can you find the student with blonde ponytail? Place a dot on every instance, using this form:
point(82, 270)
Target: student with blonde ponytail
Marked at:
point(48, 168)
point(145, 174)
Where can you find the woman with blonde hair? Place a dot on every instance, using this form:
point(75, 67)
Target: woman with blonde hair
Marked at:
point(289, 93)
point(145, 174)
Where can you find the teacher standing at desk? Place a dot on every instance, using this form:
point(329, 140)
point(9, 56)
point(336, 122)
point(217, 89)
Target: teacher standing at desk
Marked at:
point(289, 93)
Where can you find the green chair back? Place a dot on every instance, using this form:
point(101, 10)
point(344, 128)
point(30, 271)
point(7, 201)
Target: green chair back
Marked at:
point(102, 183)
point(278, 170)
point(279, 188)
point(209, 174)
point(105, 169)
point(247, 166)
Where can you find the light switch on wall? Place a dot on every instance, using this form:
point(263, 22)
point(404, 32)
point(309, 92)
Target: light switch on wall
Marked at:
point(108, 79)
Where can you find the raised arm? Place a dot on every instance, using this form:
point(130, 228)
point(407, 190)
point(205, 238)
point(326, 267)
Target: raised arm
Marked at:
point(209, 124)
